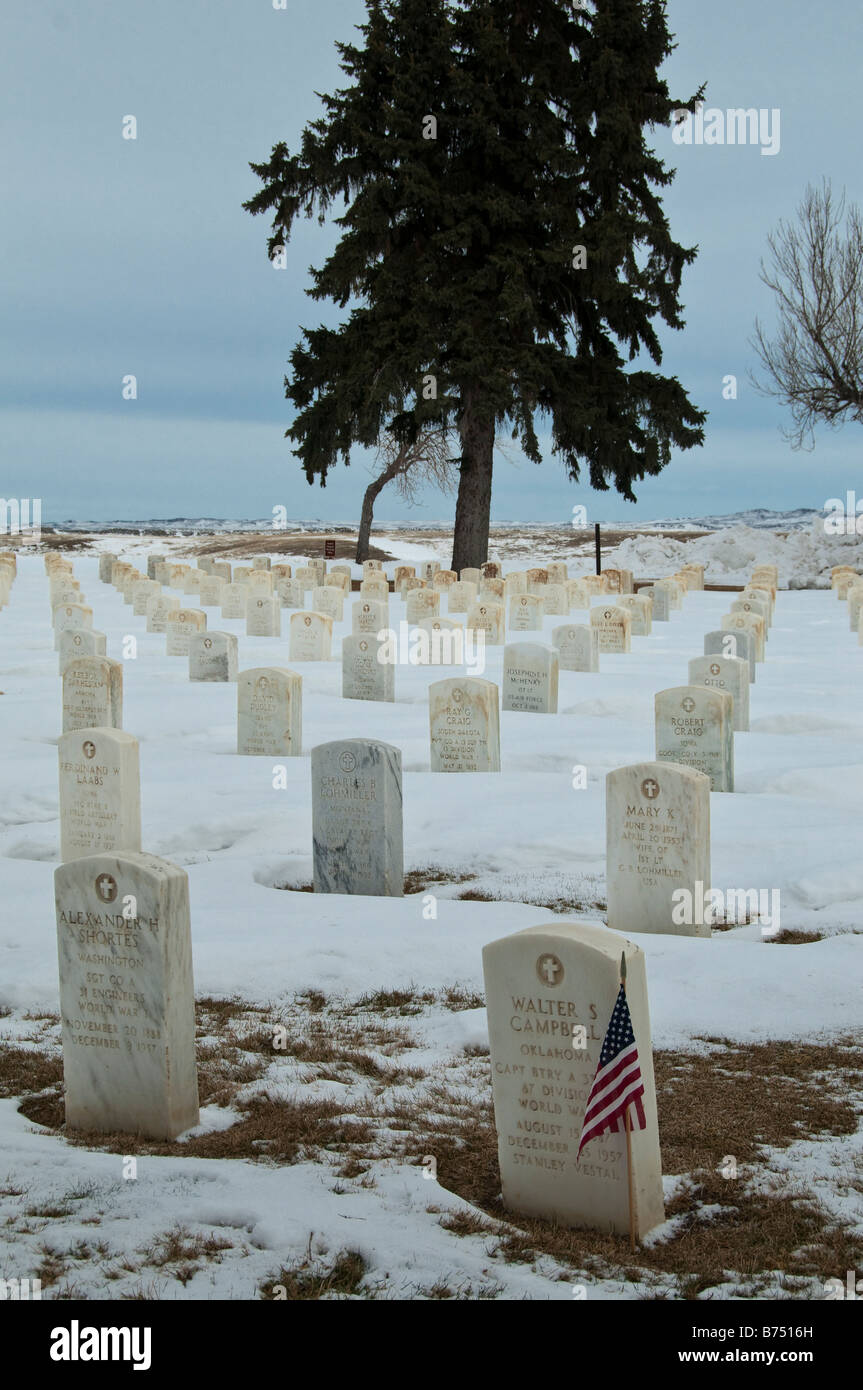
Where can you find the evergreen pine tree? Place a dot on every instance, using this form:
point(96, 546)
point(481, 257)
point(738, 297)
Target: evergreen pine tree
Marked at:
point(504, 249)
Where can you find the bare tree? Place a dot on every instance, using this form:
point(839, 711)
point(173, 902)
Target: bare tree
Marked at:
point(411, 467)
point(814, 364)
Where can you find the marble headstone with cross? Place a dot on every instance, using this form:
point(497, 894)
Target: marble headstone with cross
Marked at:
point(464, 723)
point(127, 1001)
point(357, 818)
point(657, 820)
point(695, 727)
point(100, 792)
point(270, 712)
point(550, 993)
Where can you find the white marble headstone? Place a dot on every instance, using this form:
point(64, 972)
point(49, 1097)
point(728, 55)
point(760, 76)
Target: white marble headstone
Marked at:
point(212, 656)
point(657, 819)
point(92, 694)
point(127, 999)
point(270, 712)
point(577, 646)
point(364, 677)
point(730, 673)
point(100, 792)
point(530, 678)
point(550, 993)
point(695, 727)
point(357, 818)
point(464, 723)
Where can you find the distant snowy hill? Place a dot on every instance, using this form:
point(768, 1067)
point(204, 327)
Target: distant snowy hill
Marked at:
point(757, 518)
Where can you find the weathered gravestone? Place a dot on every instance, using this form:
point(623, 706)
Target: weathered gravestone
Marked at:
point(212, 591)
point(369, 615)
point(422, 603)
point(142, 592)
point(160, 609)
point(127, 1000)
point(464, 723)
point(263, 615)
point(179, 628)
point(550, 993)
point(100, 792)
point(64, 590)
point(525, 613)
point(364, 677)
point(212, 656)
point(675, 591)
point(471, 575)
point(328, 599)
point(577, 595)
point(695, 727)
point(746, 622)
point(613, 627)
point(377, 586)
point(357, 818)
point(530, 678)
point(555, 600)
point(640, 610)
point(107, 559)
point(92, 694)
point(577, 646)
point(71, 617)
point(657, 827)
point(306, 577)
point(311, 637)
point(730, 673)
point(260, 582)
point(445, 644)
point(515, 583)
point(489, 618)
point(461, 597)
point(443, 579)
point(270, 712)
point(75, 644)
point(842, 582)
point(741, 644)
point(290, 593)
point(855, 606)
point(661, 597)
point(492, 588)
point(761, 607)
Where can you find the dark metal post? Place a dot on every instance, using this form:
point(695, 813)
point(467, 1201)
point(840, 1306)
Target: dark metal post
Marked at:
point(596, 540)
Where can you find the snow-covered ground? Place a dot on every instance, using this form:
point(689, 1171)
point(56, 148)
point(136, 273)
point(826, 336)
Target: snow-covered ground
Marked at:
point(792, 824)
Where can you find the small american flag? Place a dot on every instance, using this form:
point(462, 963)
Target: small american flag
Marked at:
point(617, 1083)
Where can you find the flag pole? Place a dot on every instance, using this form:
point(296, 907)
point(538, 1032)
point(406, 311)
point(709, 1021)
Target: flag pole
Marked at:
point(627, 1126)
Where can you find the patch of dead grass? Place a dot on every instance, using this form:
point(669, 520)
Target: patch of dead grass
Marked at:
point(301, 1282)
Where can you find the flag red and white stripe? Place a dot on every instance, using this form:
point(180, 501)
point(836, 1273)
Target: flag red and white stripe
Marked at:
point(617, 1084)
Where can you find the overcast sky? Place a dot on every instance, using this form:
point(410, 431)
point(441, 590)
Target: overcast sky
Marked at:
point(135, 256)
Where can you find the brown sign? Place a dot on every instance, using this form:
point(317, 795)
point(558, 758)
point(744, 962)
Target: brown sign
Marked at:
point(329, 550)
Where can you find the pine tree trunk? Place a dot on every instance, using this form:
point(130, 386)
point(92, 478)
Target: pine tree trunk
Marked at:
point(473, 506)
